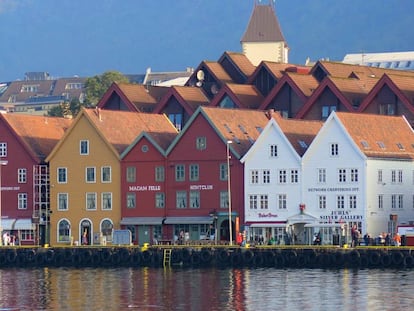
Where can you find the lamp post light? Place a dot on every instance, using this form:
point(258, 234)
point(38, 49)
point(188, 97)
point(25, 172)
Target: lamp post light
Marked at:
point(229, 189)
point(2, 162)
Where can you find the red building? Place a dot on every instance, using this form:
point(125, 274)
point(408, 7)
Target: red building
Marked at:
point(25, 142)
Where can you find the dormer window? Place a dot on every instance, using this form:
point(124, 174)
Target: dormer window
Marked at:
point(29, 88)
point(381, 144)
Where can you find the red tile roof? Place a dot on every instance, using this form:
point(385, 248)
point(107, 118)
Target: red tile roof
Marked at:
point(375, 135)
point(120, 128)
point(39, 134)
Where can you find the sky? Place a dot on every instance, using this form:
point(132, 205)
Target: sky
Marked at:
point(88, 37)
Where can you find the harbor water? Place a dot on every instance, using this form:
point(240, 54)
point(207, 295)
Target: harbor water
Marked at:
point(205, 289)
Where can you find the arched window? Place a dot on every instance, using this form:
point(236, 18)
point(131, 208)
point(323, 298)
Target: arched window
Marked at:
point(106, 229)
point(64, 231)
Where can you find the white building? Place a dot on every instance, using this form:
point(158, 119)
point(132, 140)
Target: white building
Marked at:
point(273, 177)
point(359, 171)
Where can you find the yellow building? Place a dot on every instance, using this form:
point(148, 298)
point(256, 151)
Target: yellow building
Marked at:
point(85, 186)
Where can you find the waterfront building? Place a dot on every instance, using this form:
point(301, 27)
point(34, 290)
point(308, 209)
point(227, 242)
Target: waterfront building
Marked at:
point(144, 182)
point(359, 171)
point(25, 141)
point(273, 177)
point(85, 174)
point(200, 199)
point(242, 96)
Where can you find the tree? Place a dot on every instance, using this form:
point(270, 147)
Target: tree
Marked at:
point(66, 109)
point(97, 86)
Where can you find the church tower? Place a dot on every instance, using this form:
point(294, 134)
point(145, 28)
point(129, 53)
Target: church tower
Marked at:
point(263, 38)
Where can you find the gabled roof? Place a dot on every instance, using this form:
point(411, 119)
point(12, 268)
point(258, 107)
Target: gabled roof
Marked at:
point(263, 26)
point(327, 83)
point(342, 70)
point(120, 128)
point(402, 86)
point(375, 135)
point(137, 97)
point(189, 97)
point(243, 95)
point(62, 86)
point(240, 62)
point(38, 134)
point(300, 133)
point(273, 68)
point(240, 126)
point(302, 85)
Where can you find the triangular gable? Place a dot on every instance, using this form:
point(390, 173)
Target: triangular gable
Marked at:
point(389, 81)
point(237, 65)
point(188, 97)
point(326, 84)
point(288, 80)
point(114, 89)
point(241, 126)
point(243, 96)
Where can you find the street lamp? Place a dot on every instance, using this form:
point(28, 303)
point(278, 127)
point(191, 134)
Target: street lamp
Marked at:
point(228, 189)
point(2, 162)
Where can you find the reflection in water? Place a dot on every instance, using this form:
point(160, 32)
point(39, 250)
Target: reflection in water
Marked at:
point(204, 289)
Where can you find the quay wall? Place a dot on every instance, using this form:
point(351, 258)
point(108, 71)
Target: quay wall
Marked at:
point(133, 256)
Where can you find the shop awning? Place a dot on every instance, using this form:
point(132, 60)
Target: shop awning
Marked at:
point(7, 223)
point(23, 224)
point(188, 220)
point(302, 218)
point(130, 221)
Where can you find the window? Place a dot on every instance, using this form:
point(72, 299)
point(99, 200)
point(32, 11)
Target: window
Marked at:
point(159, 200)
point(159, 173)
point(326, 111)
point(393, 201)
point(322, 202)
point(84, 147)
point(400, 201)
point(294, 176)
point(106, 174)
point(400, 176)
point(223, 171)
point(90, 174)
point(264, 201)
point(91, 201)
point(64, 231)
point(379, 176)
point(194, 199)
point(253, 201)
point(131, 174)
point(22, 175)
point(201, 143)
point(393, 176)
point(321, 175)
point(22, 200)
point(266, 177)
point(282, 176)
point(340, 202)
point(224, 199)
point(194, 172)
point(29, 88)
point(273, 151)
point(176, 119)
point(354, 175)
point(3, 150)
point(352, 202)
point(179, 172)
point(131, 199)
point(62, 175)
point(387, 109)
point(282, 201)
point(342, 175)
point(254, 177)
point(334, 149)
point(62, 201)
point(380, 201)
point(106, 201)
point(106, 229)
point(181, 199)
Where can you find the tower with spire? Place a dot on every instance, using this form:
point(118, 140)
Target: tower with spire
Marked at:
point(263, 38)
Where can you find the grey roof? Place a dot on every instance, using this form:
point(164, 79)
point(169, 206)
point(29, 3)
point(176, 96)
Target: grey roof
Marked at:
point(263, 26)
